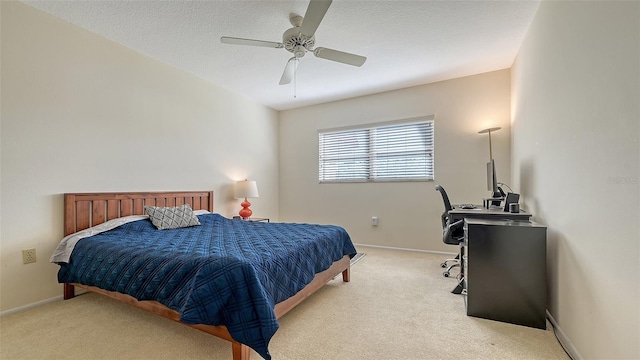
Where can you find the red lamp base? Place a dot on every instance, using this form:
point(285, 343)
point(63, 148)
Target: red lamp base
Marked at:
point(245, 213)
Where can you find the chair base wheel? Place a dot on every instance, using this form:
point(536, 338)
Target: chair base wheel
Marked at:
point(443, 265)
point(445, 274)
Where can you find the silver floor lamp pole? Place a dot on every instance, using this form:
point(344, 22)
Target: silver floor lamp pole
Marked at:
point(489, 130)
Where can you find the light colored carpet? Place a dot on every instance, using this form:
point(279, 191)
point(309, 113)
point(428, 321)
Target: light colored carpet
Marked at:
point(397, 306)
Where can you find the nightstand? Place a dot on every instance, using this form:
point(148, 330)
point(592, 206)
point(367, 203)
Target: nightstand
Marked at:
point(252, 219)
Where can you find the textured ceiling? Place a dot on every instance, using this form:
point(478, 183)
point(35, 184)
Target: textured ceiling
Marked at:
point(406, 43)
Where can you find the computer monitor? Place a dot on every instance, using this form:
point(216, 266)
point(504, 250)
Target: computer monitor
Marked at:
point(492, 182)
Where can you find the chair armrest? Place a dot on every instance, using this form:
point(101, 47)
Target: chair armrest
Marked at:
point(449, 236)
point(456, 225)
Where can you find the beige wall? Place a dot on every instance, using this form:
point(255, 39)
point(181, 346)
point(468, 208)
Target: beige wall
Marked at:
point(409, 212)
point(81, 113)
point(576, 157)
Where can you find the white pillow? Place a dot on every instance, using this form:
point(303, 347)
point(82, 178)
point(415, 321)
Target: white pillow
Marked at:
point(172, 217)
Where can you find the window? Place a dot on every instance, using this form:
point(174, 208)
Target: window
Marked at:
point(399, 151)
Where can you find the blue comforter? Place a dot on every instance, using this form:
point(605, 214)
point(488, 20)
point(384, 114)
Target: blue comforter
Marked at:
point(224, 272)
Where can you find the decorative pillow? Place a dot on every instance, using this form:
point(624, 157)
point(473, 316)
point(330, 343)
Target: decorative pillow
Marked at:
point(172, 217)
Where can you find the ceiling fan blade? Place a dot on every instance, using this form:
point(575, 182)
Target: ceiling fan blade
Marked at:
point(289, 71)
point(313, 17)
point(250, 42)
point(339, 56)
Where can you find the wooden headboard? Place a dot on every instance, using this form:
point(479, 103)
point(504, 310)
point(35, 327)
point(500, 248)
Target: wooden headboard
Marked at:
point(84, 210)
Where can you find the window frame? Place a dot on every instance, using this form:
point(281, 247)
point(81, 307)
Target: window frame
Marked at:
point(370, 169)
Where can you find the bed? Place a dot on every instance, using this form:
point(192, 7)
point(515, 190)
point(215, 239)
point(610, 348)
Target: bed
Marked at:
point(229, 278)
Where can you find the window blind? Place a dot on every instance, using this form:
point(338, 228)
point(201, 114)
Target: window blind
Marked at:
point(393, 152)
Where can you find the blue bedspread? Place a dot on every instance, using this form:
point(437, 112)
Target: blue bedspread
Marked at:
point(224, 272)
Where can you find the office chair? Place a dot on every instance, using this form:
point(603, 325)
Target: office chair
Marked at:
point(452, 233)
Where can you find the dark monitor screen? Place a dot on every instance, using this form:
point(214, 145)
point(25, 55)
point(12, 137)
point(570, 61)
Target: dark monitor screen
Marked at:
point(492, 183)
point(492, 180)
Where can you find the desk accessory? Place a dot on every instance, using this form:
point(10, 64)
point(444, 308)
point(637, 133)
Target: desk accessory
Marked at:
point(512, 198)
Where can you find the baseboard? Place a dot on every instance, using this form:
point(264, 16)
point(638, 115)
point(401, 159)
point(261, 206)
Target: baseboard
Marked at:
point(563, 339)
point(406, 249)
point(29, 306)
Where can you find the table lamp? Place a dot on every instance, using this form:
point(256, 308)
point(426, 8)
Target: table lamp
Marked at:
point(246, 189)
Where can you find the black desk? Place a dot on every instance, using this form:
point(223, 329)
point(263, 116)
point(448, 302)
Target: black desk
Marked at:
point(505, 271)
point(481, 212)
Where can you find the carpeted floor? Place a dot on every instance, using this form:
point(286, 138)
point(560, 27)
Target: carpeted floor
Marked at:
point(397, 306)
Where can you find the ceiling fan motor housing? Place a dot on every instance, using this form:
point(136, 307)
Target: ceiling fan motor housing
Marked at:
point(297, 43)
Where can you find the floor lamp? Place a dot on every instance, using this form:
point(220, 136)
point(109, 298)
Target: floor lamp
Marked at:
point(492, 181)
point(489, 130)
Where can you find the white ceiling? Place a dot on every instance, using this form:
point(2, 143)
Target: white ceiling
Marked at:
point(406, 43)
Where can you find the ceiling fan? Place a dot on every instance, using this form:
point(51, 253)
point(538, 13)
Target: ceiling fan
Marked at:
point(300, 39)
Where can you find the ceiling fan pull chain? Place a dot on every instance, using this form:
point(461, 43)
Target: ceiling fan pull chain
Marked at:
point(295, 77)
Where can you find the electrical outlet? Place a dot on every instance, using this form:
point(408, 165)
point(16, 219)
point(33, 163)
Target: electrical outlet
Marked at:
point(28, 256)
point(374, 221)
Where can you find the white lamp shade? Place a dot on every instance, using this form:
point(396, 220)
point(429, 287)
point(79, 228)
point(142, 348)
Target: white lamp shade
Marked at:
point(246, 189)
point(489, 130)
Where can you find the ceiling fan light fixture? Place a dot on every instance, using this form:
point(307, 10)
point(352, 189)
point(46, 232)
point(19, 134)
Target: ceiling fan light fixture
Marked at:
point(299, 51)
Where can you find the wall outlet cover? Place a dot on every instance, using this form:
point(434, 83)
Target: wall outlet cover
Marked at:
point(28, 256)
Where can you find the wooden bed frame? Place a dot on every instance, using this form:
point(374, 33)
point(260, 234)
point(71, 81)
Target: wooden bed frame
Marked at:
point(84, 210)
